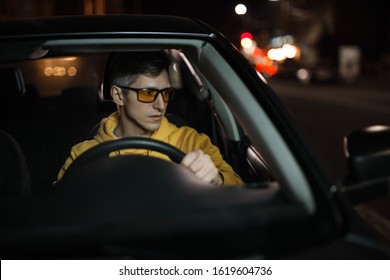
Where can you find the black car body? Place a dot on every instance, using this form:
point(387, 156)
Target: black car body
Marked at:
point(145, 208)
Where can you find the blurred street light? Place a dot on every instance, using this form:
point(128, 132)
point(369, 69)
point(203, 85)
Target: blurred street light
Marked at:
point(246, 40)
point(240, 9)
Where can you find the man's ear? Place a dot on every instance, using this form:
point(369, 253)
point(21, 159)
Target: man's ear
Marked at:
point(116, 95)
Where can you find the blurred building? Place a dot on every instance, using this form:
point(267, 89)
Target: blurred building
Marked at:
point(33, 8)
point(330, 33)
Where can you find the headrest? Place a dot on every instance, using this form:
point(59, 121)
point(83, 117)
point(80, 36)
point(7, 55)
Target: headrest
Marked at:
point(12, 83)
point(182, 70)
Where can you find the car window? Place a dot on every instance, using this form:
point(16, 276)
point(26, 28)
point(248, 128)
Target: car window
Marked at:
point(50, 76)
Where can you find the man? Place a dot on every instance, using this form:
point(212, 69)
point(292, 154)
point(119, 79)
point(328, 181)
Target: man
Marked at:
point(139, 85)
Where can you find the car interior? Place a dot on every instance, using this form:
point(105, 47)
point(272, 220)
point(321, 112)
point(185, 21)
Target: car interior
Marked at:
point(48, 112)
point(57, 97)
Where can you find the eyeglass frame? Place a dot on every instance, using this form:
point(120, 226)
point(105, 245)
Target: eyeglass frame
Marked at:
point(138, 90)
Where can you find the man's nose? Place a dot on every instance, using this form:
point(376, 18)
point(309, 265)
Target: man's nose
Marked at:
point(159, 103)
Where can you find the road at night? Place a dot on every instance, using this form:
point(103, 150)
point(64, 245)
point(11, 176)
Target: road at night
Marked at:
point(327, 112)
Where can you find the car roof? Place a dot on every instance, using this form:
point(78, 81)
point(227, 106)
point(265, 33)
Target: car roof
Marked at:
point(22, 39)
point(84, 24)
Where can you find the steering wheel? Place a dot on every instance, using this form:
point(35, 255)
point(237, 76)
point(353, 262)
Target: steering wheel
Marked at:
point(104, 149)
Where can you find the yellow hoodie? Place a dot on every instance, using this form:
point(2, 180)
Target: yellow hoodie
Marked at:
point(184, 138)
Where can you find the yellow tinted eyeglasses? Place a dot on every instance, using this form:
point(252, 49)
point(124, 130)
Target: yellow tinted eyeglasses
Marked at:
point(149, 95)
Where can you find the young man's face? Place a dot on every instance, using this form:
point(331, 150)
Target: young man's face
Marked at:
point(144, 118)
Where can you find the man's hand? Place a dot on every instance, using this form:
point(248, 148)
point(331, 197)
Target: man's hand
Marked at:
point(202, 166)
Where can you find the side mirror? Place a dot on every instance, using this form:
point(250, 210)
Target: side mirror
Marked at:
point(368, 155)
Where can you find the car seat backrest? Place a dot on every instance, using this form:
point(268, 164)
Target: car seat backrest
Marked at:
point(14, 174)
point(11, 82)
point(12, 90)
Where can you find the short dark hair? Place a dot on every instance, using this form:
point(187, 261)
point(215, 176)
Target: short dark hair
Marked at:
point(122, 68)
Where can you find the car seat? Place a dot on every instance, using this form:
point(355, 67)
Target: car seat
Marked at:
point(14, 174)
